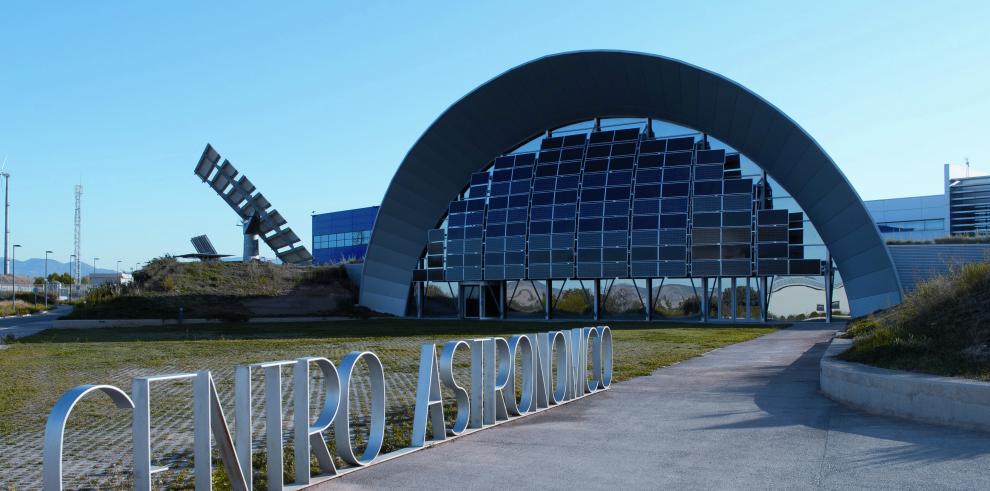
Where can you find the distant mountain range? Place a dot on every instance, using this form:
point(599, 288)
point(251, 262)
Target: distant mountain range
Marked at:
point(36, 267)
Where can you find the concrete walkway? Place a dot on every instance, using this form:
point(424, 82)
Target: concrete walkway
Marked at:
point(748, 416)
point(31, 324)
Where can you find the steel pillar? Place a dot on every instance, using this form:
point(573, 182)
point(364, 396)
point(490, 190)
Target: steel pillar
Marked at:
point(749, 293)
point(718, 298)
point(649, 297)
point(828, 288)
point(419, 299)
point(548, 304)
point(482, 300)
point(732, 297)
point(704, 300)
point(501, 298)
point(598, 300)
point(763, 298)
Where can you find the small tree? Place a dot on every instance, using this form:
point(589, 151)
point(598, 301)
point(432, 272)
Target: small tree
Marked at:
point(39, 280)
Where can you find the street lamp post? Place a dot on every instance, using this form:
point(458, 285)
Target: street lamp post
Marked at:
point(46, 278)
point(72, 260)
point(93, 276)
point(13, 293)
point(118, 268)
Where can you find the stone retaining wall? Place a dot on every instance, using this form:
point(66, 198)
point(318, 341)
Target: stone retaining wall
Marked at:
point(926, 398)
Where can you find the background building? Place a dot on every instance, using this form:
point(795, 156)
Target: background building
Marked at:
point(342, 235)
point(963, 209)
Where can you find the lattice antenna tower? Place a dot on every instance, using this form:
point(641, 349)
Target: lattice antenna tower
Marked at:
point(78, 234)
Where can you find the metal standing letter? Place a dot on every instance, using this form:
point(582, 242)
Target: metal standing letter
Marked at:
point(460, 393)
point(429, 402)
point(208, 418)
point(557, 348)
point(541, 369)
point(141, 427)
point(342, 424)
point(579, 363)
point(309, 438)
point(507, 376)
point(273, 420)
point(592, 338)
point(482, 355)
point(605, 333)
point(506, 364)
point(55, 428)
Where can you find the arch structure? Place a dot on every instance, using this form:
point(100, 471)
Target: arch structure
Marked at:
point(557, 90)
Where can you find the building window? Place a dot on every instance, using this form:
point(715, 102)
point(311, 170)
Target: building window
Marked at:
point(343, 239)
point(912, 225)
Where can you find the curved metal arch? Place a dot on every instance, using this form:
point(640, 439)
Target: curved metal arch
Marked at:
point(556, 89)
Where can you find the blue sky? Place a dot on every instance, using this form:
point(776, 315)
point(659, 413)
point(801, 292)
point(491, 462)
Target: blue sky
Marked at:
point(317, 102)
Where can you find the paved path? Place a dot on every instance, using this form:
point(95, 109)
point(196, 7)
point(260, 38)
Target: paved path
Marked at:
point(31, 324)
point(748, 416)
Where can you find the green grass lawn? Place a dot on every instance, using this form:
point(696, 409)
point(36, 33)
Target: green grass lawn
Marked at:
point(39, 368)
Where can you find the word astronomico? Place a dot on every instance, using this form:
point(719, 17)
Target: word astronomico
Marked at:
point(554, 369)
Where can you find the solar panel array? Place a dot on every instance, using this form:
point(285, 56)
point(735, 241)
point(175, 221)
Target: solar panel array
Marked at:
point(615, 204)
point(203, 245)
point(239, 193)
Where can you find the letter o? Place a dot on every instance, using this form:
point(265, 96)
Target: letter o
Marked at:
point(605, 333)
point(525, 404)
point(342, 424)
point(592, 334)
point(558, 344)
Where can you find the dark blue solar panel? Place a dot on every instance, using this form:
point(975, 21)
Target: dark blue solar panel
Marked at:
point(624, 203)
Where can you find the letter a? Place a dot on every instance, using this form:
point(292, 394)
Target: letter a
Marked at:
point(429, 402)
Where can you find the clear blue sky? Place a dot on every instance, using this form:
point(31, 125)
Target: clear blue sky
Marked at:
point(317, 102)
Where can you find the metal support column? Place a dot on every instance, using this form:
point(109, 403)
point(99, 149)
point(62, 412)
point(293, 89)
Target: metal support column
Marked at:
point(502, 285)
point(548, 303)
point(828, 288)
point(718, 298)
point(598, 299)
point(419, 299)
point(749, 294)
point(763, 298)
point(649, 301)
point(461, 302)
point(482, 300)
point(732, 298)
point(704, 300)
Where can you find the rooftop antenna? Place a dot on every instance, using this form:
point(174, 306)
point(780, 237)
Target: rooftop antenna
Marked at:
point(967, 166)
point(6, 215)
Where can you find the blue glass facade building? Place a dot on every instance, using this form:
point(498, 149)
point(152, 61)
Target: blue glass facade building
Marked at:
point(342, 235)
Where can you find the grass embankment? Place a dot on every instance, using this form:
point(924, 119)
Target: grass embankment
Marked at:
point(942, 328)
point(219, 290)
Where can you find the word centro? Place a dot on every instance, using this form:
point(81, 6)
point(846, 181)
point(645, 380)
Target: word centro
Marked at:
point(554, 370)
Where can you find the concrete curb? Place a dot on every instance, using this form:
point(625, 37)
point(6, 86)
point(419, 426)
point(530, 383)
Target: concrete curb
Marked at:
point(925, 398)
point(96, 323)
